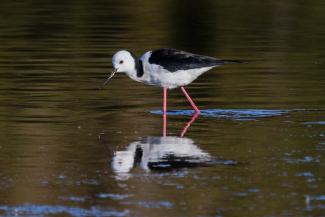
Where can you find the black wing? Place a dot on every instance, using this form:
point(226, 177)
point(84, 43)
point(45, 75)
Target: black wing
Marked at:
point(174, 60)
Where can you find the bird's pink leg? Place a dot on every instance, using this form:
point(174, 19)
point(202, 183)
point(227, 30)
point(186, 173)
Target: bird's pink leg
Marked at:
point(190, 100)
point(165, 112)
point(189, 124)
point(165, 100)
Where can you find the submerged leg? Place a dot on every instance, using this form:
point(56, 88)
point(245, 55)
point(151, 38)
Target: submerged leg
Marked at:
point(165, 111)
point(190, 100)
point(164, 125)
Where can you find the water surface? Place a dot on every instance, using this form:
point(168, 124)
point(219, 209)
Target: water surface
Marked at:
point(70, 148)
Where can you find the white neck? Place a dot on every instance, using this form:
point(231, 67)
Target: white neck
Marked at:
point(133, 74)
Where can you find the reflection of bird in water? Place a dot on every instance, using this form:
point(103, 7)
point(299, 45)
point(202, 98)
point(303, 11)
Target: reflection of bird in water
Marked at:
point(161, 153)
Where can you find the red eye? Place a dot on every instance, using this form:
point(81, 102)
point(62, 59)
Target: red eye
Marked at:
point(121, 61)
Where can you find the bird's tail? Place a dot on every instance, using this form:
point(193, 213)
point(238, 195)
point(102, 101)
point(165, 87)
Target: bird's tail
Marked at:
point(232, 61)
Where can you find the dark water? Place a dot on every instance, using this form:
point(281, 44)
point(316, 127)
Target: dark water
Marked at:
point(69, 148)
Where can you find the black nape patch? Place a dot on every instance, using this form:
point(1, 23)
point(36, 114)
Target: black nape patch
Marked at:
point(139, 67)
point(138, 156)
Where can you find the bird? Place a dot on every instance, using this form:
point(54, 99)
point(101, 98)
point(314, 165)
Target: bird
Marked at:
point(167, 68)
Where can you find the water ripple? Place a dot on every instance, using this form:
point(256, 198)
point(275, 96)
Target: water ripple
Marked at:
point(237, 114)
point(315, 123)
point(42, 210)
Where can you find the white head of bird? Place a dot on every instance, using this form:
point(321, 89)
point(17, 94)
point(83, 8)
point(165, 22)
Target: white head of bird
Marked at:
point(123, 62)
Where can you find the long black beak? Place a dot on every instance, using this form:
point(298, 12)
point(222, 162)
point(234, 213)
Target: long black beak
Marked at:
point(111, 76)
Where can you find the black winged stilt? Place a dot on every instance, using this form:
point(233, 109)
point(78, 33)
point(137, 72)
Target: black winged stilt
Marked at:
point(166, 68)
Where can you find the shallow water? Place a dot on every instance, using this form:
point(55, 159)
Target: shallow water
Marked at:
point(70, 148)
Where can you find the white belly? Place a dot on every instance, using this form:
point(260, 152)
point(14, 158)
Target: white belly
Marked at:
point(158, 76)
